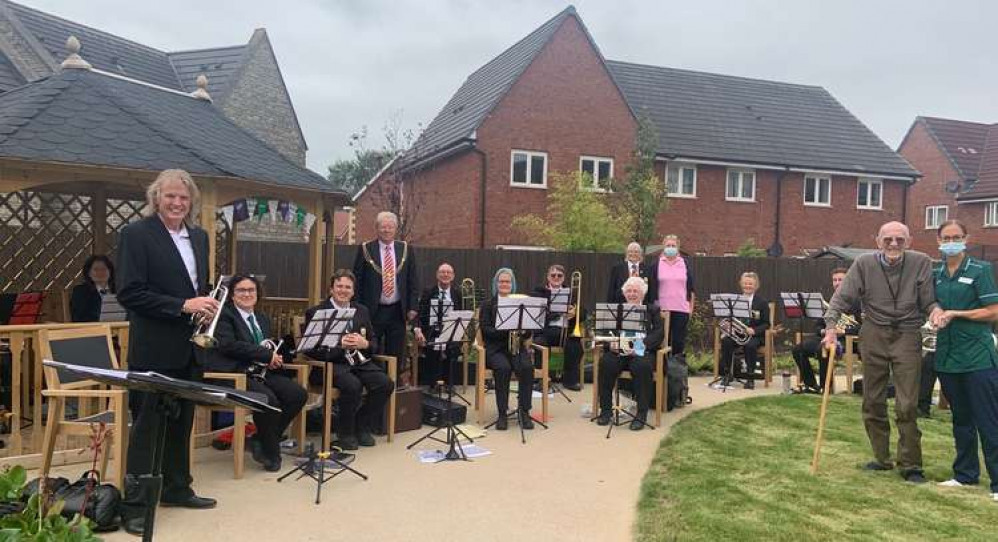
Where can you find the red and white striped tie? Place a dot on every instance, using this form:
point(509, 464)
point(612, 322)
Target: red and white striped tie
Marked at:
point(388, 273)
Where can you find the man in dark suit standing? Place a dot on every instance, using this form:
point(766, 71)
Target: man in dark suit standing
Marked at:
point(350, 374)
point(438, 357)
point(632, 266)
point(387, 285)
point(162, 274)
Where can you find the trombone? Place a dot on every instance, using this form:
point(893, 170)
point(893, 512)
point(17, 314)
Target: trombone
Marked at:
point(470, 303)
point(204, 328)
point(574, 300)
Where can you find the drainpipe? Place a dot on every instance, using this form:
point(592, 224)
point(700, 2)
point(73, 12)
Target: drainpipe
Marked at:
point(481, 211)
point(904, 202)
point(776, 249)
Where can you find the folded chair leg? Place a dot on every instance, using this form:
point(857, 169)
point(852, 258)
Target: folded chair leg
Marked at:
point(56, 407)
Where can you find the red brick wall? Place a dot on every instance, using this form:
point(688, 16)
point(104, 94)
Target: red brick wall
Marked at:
point(921, 150)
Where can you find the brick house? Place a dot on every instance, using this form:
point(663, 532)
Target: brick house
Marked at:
point(784, 164)
point(959, 161)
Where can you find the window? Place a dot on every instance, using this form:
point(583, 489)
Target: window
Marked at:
point(741, 185)
point(681, 180)
point(870, 194)
point(991, 214)
point(529, 169)
point(817, 190)
point(935, 215)
point(600, 171)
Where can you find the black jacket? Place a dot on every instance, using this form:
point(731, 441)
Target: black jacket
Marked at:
point(236, 349)
point(361, 321)
point(619, 275)
point(429, 294)
point(760, 316)
point(152, 286)
point(85, 303)
point(368, 273)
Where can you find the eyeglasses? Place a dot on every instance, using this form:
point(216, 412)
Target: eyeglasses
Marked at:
point(952, 238)
point(900, 241)
point(556, 275)
point(245, 291)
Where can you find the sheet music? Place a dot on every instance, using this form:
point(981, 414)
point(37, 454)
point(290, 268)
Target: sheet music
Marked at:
point(454, 328)
point(110, 309)
point(559, 300)
point(326, 328)
point(631, 316)
point(437, 307)
point(508, 313)
point(730, 306)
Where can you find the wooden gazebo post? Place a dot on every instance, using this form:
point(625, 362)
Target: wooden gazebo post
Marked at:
point(315, 257)
point(208, 197)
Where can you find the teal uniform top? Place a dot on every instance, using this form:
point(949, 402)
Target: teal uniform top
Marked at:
point(965, 345)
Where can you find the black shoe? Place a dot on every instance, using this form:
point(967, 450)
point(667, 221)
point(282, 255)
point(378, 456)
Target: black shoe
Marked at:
point(134, 526)
point(604, 418)
point(750, 384)
point(573, 387)
point(195, 502)
point(913, 476)
point(502, 423)
point(272, 465)
point(638, 423)
point(365, 438)
point(346, 442)
point(526, 421)
point(725, 382)
point(878, 466)
point(256, 449)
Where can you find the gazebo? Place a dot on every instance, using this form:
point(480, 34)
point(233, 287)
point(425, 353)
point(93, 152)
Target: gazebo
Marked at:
point(77, 150)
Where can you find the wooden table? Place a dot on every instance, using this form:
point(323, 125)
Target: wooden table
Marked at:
point(24, 339)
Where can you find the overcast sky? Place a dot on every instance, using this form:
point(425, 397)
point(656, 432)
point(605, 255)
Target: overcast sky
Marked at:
point(351, 63)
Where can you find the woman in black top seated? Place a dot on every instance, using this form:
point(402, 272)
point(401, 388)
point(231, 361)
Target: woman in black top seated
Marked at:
point(501, 360)
point(98, 280)
point(240, 332)
point(640, 364)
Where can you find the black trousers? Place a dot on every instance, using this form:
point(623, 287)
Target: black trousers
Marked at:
point(641, 372)
point(677, 331)
point(728, 347)
point(973, 398)
point(351, 381)
point(439, 365)
point(389, 331)
point(551, 336)
point(926, 382)
point(803, 352)
point(146, 422)
point(282, 392)
point(503, 366)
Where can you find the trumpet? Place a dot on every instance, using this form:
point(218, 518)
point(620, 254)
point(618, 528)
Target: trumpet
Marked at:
point(736, 330)
point(354, 356)
point(929, 333)
point(204, 328)
point(624, 344)
point(258, 370)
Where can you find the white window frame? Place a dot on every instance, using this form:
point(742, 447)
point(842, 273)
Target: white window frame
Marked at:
point(933, 212)
point(817, 190)
point(991, 214)
point(596, 162)
point(530, 159)
point(741, 180)
point(869, 183)
point(679, 167)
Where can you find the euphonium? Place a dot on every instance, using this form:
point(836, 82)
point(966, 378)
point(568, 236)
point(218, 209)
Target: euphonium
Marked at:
point(735, 329)
point(204, 330)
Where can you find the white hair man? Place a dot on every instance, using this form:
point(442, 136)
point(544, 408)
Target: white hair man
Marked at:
point(632, 266)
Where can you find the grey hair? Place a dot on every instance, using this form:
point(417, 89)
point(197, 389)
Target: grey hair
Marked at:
point(642, 285)
point(671, 237)
point(155, 189)
point(634, 245)
point(751, 275)
point(386, 215)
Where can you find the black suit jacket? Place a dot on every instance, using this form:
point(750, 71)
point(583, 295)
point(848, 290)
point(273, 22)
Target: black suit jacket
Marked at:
point(236, 349)
point(619, 275)
point(85, 303)
point(430, 293)
point(368, 273)
point(760, 315)
point(361, 321)
point(152, 286)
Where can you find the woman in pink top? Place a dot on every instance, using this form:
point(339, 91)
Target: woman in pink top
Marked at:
point(672, 281)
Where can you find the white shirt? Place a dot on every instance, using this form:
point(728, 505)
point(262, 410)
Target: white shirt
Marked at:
point(633, 268)
point(337, 306)
point(182, 239)
point(246, 316)
point(395, 296)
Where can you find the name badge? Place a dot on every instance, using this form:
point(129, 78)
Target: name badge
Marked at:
point(965, 280)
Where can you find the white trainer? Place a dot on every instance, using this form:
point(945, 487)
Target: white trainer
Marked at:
point(994, 497)
point(951, 483)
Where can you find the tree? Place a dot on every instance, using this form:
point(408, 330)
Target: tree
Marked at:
point(576, 219)
point(351, 175)
point(642, 195)
point(749, 250)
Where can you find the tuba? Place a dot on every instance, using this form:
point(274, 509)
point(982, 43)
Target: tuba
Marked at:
point(735, 329)
point(204, 328)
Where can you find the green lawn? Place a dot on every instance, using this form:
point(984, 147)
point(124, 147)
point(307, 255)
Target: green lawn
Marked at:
point(739, 471)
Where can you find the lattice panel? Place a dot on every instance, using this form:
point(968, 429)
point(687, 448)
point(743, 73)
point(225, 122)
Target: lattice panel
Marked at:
point(119, 213)
point(223, 236)
point(44, 239)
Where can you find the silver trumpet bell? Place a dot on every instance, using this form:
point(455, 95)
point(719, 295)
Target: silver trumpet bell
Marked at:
point(204, 328)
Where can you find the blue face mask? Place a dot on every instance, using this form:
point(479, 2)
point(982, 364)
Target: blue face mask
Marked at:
point(671, 251)
point(953, 248)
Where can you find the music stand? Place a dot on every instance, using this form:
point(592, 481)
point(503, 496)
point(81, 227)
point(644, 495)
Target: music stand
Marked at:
point(559, 299)
point(516, 315)
point(439, 308)
point(454, 330)
point(167, 392)
point(623, 320)
point(802, 306)
point(111, 310)
point(729, 307)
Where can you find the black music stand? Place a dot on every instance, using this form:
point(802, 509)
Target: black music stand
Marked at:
point(516, 315)
point(729, 307)
point(558, 302)
point(454, 330)
point(438, 310)
point(619, 319)
point(802, 306)
point(167, 392)
point(314, 465)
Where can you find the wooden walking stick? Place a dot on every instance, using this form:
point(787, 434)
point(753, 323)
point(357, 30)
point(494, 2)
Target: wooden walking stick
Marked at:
point(830, 374)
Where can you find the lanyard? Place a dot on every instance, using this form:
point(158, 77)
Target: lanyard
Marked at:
point(887, 278)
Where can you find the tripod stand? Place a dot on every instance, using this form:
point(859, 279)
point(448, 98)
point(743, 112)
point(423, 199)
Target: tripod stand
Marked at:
point(312, 458)
point(729, 307)
point(455, 452)
point(619, 411)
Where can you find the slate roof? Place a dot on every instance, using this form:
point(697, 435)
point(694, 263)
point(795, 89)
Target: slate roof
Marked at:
point(9, 76)
point(218, 64)
point(481, 91)
point(698, 115)
point(105, 51)
point(87, 117)
point(961, 141)
point(842, 253)
point(987, 177)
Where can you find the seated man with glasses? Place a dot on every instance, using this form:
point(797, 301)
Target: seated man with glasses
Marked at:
point(558, 331)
